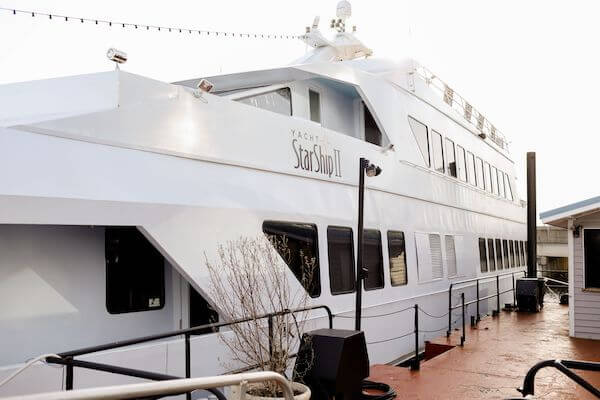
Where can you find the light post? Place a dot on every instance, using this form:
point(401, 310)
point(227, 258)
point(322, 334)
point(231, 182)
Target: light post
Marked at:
point(365, 168)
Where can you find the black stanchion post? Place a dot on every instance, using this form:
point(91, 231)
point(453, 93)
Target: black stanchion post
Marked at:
point(270, 321)
point(514, 291)
point(188, 363)
point(417, 363)
point(69, 376)
point(449, 311)
point(478, 318)
point(462, 299)
point(497, 294)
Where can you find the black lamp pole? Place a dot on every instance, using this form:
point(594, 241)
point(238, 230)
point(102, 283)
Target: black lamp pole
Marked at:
point(359, 260)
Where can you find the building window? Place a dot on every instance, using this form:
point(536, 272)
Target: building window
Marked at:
point(501, 184)
point(451, 156)
point(487, 173)
point(438, 151)
point(397, 254)
point(373, 259)
point(297, 244)
point(483, 260)
point(451, 256)
point(279, 101)
point(479, 167)
point(491, 254)
point(135, 272)
point(314, 103)
point(461, 161)
point(420, 132)
point(435, 247)
point(498, 254)
point(505, 254)
point(507, 187)
point(494, 179)
point(591, 244)
point(340, 246)
point(201, 312)
point(471, 169)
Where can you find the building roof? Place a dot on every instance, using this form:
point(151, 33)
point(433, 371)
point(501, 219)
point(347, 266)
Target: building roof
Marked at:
point(560, 215)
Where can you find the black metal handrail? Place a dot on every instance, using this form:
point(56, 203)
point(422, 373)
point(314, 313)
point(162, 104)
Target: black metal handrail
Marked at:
point(67, 358)
point(479, 299)
point(565, 367)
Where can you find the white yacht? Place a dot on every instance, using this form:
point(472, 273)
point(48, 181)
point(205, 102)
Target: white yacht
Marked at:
point(114, 187)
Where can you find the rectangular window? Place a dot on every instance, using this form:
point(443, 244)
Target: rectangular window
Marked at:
point(523, 258)
point(314, 102)
point(498, 254)
point(494, 179)
point(296, 243)
point(373, 134)
point(135, 272)
point(507, 187)
point(505, 254)
point(525, 250)
point(451, 256)
point(435, 248)
point(501, 184)
point(483, 260)
point(491, 254)
point(451, 157)
point(515, 247)
point(486, 176)
point(591, 245)
point(397, 254)
point(479, 168)
point(471, 169)
point(420, 132)
point(340, 246)
point(438, 152)
point(279, 101)
point(461, 161)
point(372, 259)
point(511, 250)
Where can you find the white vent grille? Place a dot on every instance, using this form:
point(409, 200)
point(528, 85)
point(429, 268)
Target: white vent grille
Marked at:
point(451, 256)
point(435, 248)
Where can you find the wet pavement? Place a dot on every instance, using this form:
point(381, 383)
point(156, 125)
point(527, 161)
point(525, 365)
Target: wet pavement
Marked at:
point(495, 358)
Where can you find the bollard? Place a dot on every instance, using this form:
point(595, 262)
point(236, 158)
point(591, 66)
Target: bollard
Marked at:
point(416, 363)
point(462, 338)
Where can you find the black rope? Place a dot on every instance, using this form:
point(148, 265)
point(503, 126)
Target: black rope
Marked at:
point(394, 338)
point(376, 315)
point(433, 316)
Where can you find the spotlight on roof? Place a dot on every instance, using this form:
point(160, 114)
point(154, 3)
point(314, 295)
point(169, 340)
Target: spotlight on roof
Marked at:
point(118, 56)
point(205, 86)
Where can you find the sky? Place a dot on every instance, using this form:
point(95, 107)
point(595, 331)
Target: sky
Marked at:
point(527, 65)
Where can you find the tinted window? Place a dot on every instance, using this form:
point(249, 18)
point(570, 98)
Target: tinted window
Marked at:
point(340, 246)
point(479, 168)
point(592, 257)
point(515, 248)
point(397, 253)
point(507, 187)
point(420, 132)
point(500, 178)
point(491, 254)
point(511, 253)
point(505, 253)
point(438, 152)
point(483, 261)
point(471, 168)
point(525, 251)
point(373, 259)
point(372, 133)
point(494, 179)
point(296, 243)
point(523, 259)
point(314, 101)
point(135, 272)
point(279, 101)
point(461, 162)
point(451, 157)
point(498, 254)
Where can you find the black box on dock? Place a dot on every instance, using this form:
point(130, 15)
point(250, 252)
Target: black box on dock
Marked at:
point(530, 294)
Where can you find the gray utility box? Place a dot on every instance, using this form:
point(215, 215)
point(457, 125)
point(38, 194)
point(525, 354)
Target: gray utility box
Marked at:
point(530, 294)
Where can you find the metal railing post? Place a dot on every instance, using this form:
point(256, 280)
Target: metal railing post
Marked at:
point(416, 364)
point(69, 375)
point(449, 311)
point(514, 291)
point(270, 320)
point(188, 363)
point(497, 294)
point(462, 299)
point(477, 319)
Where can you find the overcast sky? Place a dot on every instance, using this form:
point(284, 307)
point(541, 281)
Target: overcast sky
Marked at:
point(529, 66)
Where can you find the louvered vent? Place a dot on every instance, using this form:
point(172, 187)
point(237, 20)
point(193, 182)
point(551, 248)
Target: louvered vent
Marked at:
point(450, 256)
point(435, 247)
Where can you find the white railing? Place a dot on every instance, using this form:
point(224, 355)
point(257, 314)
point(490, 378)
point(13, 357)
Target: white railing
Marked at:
point(462, 107)
point(163, 388)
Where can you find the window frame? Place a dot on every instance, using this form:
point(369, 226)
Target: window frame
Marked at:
point(485, 254)
point(434, 151)
point(505, 254)
point(490, 258)
point(471, 169)
point(462, 168)
point(260, 93)
point(310, 109)
point(380, 257)
point(494, 180)
point(390, 257)
point(453, 153)
point(587, 285)
point(353, 274)
point(499, 254)
point(428, 158)
point(479, 173)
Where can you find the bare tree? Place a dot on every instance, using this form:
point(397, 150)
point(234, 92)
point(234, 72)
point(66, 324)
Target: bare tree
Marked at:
point(250, 279)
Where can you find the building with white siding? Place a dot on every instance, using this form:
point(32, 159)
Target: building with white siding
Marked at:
point(582, 219)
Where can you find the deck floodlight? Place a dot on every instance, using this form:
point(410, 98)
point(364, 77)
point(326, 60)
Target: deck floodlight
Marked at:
point(372, 170)
point(205, 86)
point(118, 56)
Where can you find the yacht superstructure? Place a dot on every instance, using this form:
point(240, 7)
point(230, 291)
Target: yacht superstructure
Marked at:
point(116, 187)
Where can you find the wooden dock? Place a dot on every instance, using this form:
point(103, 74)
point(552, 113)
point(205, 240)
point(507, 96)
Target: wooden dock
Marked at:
point(495, 358)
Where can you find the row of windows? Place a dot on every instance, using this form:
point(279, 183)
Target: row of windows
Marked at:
point(498, 254)
point(301, 240)
point(447, 158)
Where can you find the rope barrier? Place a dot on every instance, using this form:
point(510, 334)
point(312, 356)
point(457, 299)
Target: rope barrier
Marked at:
point(390, 339)
point(147, 27)
point(433, 316)
point(376, 315)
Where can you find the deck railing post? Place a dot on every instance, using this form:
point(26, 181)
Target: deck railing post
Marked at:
point(416, 364)
point(477, 319)
point(449, 311)
point(270, 321)
point(462, 299)
point(69, 375)
point(514, 291)
point(188, 363)
point(497, 294)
